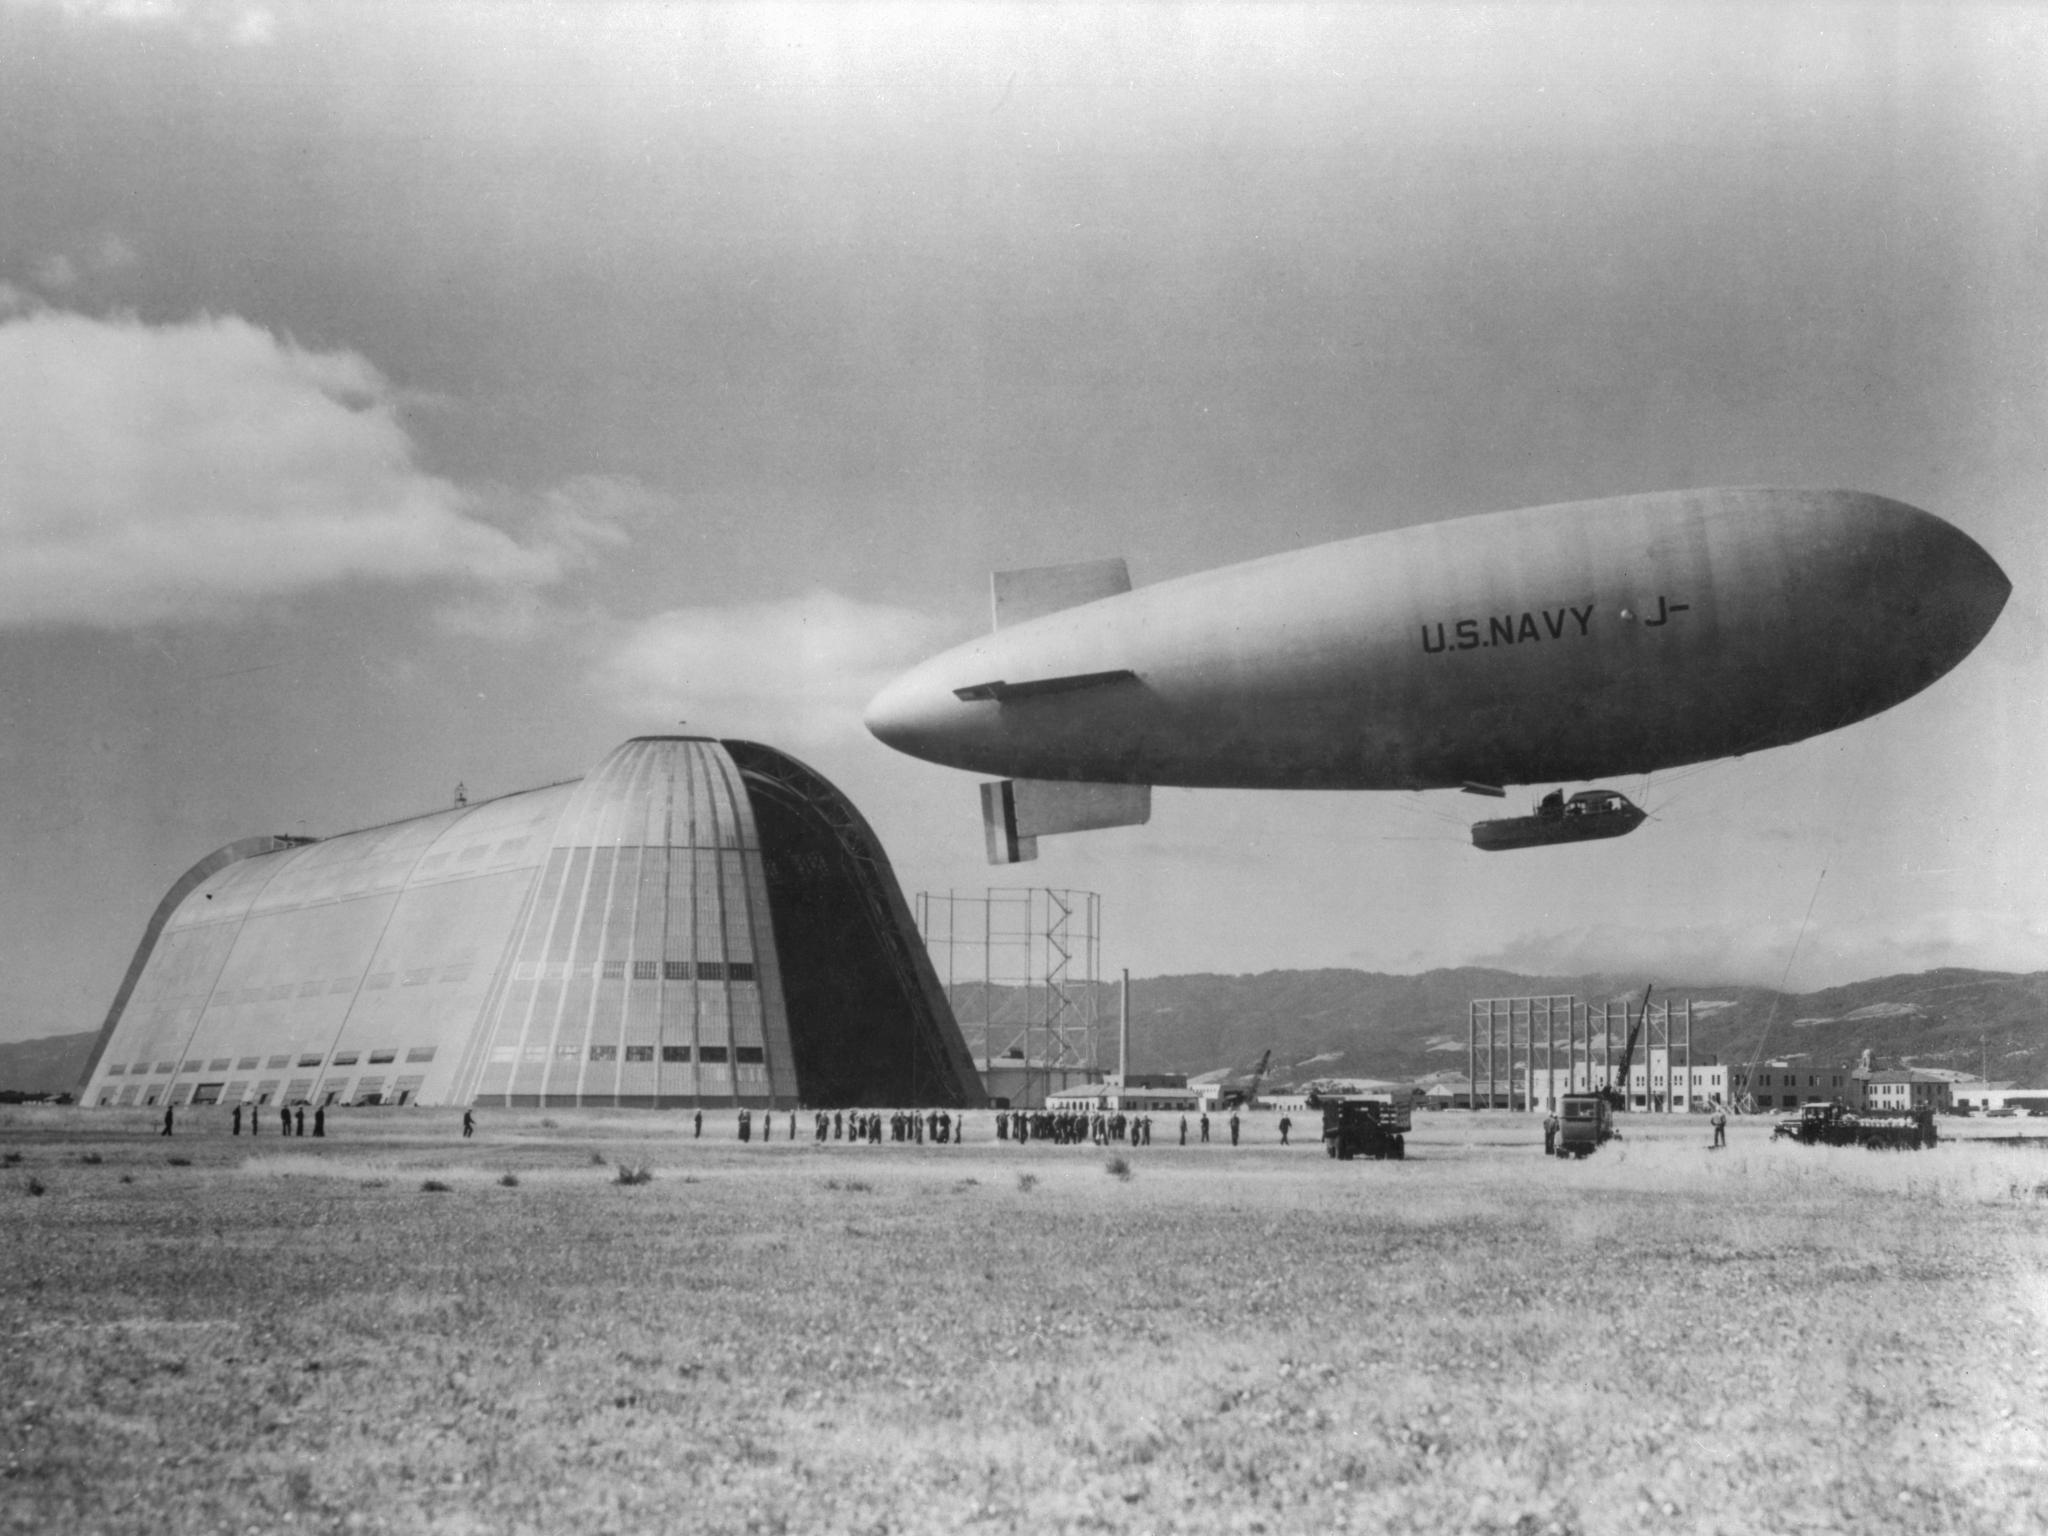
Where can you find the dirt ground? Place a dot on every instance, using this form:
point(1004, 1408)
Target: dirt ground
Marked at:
point(209, 1334)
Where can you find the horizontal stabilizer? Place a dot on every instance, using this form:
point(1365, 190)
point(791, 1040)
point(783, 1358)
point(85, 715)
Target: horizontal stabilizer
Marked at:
point(1016, 813)
point(1019, 595)
point(1003, 692)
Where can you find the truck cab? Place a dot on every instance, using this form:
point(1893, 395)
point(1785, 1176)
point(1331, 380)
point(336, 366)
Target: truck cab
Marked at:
point(1585, 1122)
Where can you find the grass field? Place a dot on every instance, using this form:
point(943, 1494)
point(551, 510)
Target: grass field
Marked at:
point(294, 1335)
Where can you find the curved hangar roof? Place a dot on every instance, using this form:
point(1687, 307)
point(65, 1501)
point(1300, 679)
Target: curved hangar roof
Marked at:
point(696, 922)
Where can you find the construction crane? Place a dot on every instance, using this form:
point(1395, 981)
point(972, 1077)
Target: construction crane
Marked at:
point(1616, 1091)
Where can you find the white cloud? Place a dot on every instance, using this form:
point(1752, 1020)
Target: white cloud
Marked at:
point(234, 21)
point(156, 472)
point(796, 669)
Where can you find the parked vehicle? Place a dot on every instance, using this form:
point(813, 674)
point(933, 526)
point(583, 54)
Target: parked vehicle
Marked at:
point(1363, 1125)
point(1585, 1123)
point(1834, 1125)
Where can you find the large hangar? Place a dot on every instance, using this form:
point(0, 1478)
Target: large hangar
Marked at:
point(694, 923)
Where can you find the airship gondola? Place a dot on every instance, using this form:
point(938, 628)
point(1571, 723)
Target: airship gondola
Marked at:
point(1587, 816)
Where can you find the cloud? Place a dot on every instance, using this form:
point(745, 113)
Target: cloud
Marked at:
point(150, 473)
point(57, 272)
point(232, 21)
point(799, 668)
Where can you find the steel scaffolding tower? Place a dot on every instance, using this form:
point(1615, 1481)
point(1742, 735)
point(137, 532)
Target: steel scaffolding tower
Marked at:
point(1021, 966)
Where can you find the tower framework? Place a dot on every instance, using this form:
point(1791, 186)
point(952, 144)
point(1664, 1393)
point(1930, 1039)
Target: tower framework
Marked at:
point(1022, 967)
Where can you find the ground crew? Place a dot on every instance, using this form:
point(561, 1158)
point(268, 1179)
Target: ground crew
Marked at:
point(1720, 1124)
point(1205, 1128)
point(1233, 1127)
point(468, 1125)
point(235, 1122)
point(1549, 1135)
point(1286, 1125)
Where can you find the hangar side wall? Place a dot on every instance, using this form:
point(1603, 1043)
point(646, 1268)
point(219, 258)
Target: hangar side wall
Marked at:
point(349, 969)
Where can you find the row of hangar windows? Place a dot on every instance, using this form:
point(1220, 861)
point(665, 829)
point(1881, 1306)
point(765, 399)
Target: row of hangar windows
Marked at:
point(419, 1053)
point(369, 1090)
point(640, 970)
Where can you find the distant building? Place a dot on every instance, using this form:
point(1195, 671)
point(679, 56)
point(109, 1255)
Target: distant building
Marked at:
point(1787, 1084)
point(1906, 1088)
point(1655, 1084)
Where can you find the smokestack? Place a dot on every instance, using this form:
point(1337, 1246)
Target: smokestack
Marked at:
point(1123, 1031)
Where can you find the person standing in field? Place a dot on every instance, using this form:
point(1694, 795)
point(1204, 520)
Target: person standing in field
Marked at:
point(284, 1119)
point(697, 1125)
point(167, 1121)
point(1286, 1125)
point(1205, 1128)
point(235, 1122)
point(1549, 1135)
point(468, 1125)
point(300, 1128)
point(1183, 1130)
point(320, 1121)
point(1233, 1127)
point(1720, 1123)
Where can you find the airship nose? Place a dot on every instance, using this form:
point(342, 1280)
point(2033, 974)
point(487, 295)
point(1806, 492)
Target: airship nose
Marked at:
point(911, 713)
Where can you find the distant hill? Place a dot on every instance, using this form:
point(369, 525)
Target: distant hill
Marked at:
point(52, 1064)
point(1333, 1023)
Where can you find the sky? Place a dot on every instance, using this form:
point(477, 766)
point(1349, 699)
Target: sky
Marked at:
point(398, 396)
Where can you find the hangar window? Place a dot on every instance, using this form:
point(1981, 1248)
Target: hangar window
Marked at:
point(313, 1060)
point(218, 1064)
point(676, 970)
point(711, 970)
point(378, 982)
point(639, 1053)
point(419, 976)
point(745, 1054)
point(613, 970)
point(741, 970)
point(645, 970)
point(457, 972)
point(377, 1058)
point(675, 1053)
point(167, 1066)
point(569, 1049)
point(711, 1053)
point(604, 1053)
point(345, 1058)
point(128, 1095)
point(193, 1066)
point(420, 1053)
point(341, 984)
point(118, 1069)
point(311, 989)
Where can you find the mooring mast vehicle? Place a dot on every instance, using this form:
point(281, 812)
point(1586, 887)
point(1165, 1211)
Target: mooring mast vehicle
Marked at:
point(1830, 1124)
point(1585, 1122)
point(1363, 1125)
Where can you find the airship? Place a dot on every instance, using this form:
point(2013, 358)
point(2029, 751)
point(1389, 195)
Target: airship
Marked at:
point(1556, 644)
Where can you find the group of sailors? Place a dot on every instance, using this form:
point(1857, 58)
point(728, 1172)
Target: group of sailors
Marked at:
point(866, 1125)
point(1076, 1127)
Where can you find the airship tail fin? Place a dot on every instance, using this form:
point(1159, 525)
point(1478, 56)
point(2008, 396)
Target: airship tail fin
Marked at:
point(1016, 813)
point(1015, 596)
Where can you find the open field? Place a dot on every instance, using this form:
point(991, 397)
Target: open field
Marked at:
point(297, 1335)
